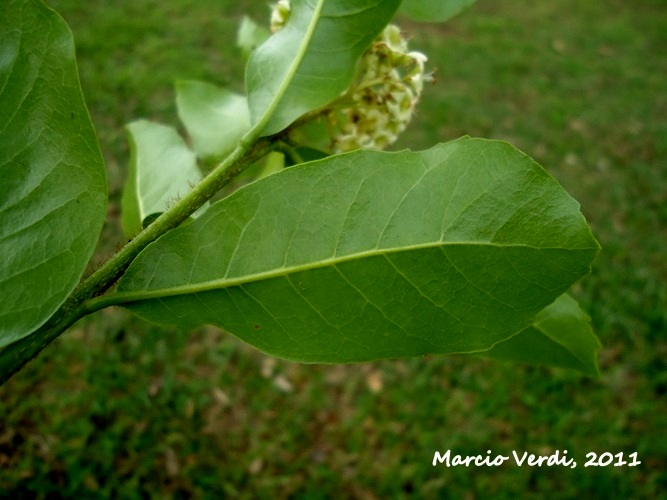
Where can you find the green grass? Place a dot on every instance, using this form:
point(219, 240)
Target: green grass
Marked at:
point(120, 408)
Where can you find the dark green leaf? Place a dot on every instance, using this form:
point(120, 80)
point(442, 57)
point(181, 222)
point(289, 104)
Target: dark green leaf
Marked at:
point(312, 59)
point(434, 11)
point(162, 170)
point(150, 219)
point(560, 336)
point(53, 186)
point(372, 255)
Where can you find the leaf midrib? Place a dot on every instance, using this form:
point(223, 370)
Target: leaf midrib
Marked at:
point(222, 283)
point(265, 119)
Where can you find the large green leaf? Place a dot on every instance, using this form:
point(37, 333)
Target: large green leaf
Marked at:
point(433, 11)
point(312, 59)
point(162, 170)
point(52, 178)
point(215, 118)
point(560, 336)
point(370, 255)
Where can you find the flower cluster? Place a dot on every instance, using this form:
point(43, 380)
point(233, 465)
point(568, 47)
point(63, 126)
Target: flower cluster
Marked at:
point(380, 103)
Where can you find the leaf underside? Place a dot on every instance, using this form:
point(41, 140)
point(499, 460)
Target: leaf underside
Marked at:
point(372, 255)
point(53, 184)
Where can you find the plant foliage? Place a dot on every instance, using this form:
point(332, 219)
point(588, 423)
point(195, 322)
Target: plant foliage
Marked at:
point(468, 247)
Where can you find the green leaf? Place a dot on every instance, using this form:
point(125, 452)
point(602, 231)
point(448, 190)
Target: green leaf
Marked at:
point(434, 11)
point(560, 336)
point(250, 35)
point(162, 169)
point(312, 59)
point(216, 119)
point(53, 186)
point(372, 255)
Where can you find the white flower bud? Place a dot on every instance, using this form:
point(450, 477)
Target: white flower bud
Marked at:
point(280, 14)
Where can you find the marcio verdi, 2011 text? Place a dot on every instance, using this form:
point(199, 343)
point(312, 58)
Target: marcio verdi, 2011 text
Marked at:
point(557, 458)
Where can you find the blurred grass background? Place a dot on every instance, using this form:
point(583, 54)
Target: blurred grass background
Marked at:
point(121, 408)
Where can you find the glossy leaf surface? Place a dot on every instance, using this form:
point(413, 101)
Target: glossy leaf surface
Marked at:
point(372, 255)
point(162, 170)
point(560, 336)
point(312, 59)
point(52, 177)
